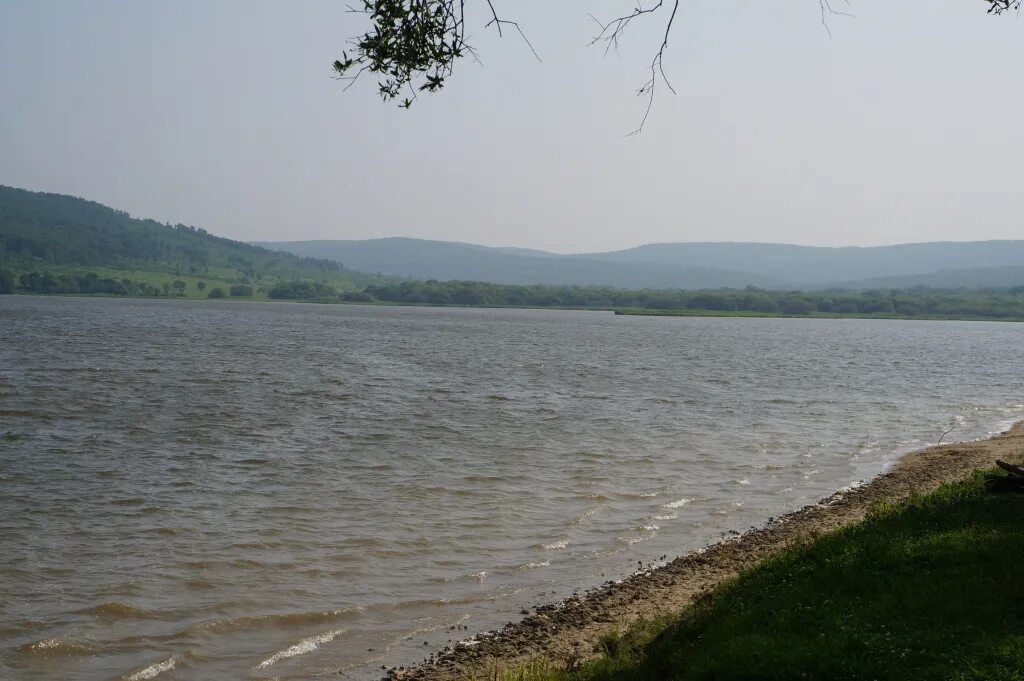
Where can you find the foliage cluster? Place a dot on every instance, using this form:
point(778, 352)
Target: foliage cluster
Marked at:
point(928, 589)
point(413, 45)
point(408, 39)
point(46, 282)
point(300, 289)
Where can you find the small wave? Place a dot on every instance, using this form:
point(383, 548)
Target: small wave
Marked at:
point(116, 611)
point(633, 539)
point(639, 495)
point(484, 478)
point(678, 503)
point(56, 647)
point(665, 516)
point(743, 481)
point(576, 522)
point(22, 413)
point(650, 528)
point(246, 563)
point(152, 670)
point(297, 619)
point(165, 531)
point(306, 645)
point(555, 545)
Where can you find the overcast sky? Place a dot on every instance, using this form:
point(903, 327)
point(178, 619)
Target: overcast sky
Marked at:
point(903, 126)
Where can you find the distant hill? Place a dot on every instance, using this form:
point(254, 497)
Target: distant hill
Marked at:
point(975, 264)
point(814, 266)
point(57, 233)
point(447, 260)
point(40, 231)
point(968, 278)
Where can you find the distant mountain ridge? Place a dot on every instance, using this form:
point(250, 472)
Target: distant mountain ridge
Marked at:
point(699, 265)
point(42, 230)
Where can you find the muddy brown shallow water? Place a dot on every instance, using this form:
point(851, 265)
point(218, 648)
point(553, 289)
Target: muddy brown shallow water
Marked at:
point(569, 632)
point(203, 489)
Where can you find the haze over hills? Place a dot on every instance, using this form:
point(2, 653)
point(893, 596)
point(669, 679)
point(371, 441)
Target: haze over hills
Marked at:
point(443, 260)
point(56, 231)
point(975, 264)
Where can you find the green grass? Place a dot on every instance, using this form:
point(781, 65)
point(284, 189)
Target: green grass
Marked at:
point(159, 274)
point(929, 589)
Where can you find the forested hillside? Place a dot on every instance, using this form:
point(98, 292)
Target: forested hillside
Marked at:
point(54, 241)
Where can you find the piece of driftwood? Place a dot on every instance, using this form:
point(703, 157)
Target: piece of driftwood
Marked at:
point(1001, 484)
point(1011, 469)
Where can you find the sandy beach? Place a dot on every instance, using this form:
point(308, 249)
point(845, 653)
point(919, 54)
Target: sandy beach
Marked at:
point(567, 633)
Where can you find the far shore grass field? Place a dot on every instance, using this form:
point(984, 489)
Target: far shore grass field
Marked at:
point(930, 588)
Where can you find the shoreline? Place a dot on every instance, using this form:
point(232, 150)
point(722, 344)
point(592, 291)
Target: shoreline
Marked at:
point(567, 633)
point(619, 312)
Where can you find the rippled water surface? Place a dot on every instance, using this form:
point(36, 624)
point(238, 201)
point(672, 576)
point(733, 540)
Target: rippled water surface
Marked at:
point(195, 490)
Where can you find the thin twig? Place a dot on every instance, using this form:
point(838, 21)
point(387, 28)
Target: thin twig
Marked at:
point(496, 21)
point(948, 431)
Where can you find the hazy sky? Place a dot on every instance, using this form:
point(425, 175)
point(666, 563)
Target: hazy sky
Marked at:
point(903, 126)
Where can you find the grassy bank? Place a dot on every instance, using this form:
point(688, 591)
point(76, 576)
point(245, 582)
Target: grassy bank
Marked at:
point(632, 312)
point(927, 589)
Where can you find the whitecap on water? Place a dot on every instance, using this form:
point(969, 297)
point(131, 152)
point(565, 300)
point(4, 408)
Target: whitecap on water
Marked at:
point(55, 646)
point(152, 670)
point(679, 503)
point(306, 645)
point(533, 566)
point(560, 544)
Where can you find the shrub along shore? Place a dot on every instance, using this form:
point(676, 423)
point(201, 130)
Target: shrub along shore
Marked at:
point(915, 574)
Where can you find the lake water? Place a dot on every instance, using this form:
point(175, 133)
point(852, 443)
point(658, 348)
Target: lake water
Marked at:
point(217, 490)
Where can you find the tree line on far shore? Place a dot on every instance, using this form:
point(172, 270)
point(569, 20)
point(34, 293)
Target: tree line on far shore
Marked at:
point(916, 302)
point(919, 301)
point(91, 283)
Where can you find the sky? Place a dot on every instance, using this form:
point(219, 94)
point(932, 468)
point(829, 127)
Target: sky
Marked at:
point(901, 126)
